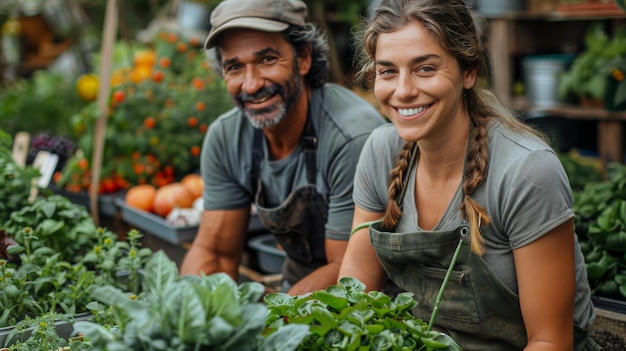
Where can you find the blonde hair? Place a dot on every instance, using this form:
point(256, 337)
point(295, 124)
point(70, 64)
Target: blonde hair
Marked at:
point(456, 29)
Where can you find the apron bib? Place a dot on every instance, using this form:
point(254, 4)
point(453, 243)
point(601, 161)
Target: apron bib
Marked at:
point(298, 224)
point(476, 309)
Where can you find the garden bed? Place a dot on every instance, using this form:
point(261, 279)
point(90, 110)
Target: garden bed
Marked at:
point(609, 330)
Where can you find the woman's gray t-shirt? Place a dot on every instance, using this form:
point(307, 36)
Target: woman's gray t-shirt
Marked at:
point(342, 122)
point(526, 194)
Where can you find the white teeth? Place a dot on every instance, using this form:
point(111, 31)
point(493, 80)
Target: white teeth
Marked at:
point(411, 111)
point(260, 100)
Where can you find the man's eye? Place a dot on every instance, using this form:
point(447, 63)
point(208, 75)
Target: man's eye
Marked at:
point(268, 59)
point(233, 67)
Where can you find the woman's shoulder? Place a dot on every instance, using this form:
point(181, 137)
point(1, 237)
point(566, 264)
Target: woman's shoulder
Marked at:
point(522, 154)
point(385, 138)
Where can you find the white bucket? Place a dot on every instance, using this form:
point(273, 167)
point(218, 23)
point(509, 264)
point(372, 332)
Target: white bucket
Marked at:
point(542, 75)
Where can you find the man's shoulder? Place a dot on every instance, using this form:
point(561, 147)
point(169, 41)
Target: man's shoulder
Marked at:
point(347, 111)
point(340, 96)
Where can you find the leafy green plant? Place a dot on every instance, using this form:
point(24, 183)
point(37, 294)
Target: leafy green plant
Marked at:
point(44, 282)
point(119, 262)
point(38, 333)
point(589, 73)
point(186, 313)
point(600, 222)
point(54, 222)
point(345, 317)
point(15, 181)
point(43, 102)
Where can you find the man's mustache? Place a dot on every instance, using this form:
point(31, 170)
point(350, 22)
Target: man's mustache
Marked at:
point(260, 94)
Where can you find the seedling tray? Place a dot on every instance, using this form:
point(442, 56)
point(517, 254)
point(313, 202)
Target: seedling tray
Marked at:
point(151, 224)
point(106, 202)
point(64, 329)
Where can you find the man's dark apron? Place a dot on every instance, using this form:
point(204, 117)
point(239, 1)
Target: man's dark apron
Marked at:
point(299, 222)
point(477, 310)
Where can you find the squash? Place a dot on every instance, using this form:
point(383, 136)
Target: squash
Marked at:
point(170, 196)
point(141, 197)
point(193, 182)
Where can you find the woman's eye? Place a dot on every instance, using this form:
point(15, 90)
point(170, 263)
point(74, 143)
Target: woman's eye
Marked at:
point(426, 69)
point(386, 72)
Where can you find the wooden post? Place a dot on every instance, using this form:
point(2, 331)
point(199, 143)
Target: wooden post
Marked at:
point(108, 41)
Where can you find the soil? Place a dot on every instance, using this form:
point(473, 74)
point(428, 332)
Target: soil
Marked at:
point(609, 341)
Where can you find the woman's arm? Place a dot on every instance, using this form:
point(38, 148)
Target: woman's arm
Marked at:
point(360, 260)
point(547, 286)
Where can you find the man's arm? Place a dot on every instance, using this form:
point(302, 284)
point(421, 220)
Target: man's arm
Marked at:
point(326, 275)
point(219, 243)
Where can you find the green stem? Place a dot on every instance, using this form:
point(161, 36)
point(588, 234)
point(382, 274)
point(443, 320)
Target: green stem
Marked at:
point(443, 286)
point(363, 225)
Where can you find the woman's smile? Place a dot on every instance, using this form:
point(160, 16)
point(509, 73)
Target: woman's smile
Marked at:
point(412, 111)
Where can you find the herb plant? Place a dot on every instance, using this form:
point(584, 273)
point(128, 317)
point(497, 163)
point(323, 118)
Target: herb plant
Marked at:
point(186, 313)
point(345, 317)
point(44, 282)
point(54, 222)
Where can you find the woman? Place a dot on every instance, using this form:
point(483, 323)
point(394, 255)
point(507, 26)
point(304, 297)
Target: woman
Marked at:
point(455, 166)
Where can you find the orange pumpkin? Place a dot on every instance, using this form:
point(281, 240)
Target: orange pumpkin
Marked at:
point(193, 183)
point(141, 196)
point(171, 196)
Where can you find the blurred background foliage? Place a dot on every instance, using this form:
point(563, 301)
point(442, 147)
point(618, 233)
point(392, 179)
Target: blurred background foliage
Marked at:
point(44, 97)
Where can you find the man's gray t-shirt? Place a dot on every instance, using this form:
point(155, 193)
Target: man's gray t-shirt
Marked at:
point(342, 122)
point(526, 194)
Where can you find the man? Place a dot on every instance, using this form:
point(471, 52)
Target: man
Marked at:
point(290, 146)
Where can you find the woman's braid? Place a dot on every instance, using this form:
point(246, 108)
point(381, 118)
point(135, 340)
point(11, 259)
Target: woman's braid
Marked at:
point(476, 169)
point(393, 212)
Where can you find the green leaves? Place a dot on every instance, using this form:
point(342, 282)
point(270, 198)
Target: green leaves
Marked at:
point(186, 313)
point(600, 208)
point(345, 317)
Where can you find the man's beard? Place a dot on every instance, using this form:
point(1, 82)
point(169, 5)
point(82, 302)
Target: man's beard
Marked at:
point(272, 115)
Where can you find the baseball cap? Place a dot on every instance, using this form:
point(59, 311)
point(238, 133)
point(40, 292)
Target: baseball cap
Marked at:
point(263, 15)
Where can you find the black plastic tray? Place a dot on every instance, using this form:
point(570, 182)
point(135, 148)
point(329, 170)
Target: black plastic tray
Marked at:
point(106, 202)
point(618, 306)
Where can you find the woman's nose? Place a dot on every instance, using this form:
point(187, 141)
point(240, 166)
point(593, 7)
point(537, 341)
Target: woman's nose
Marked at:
point(406, 86)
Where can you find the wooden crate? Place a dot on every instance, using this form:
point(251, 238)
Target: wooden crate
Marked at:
point(609, 324)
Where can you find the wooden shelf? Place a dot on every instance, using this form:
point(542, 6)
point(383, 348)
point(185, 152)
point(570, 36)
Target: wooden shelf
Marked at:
point(529, 33)
point(568, 111)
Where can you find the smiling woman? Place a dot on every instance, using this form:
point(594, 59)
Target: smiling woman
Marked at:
point(426, 183)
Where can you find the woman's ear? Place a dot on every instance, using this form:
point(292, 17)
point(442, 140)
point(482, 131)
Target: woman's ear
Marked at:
point(469, 79)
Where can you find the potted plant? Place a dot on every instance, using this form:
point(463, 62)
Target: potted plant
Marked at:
point(588, 77)
point(615, 96)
